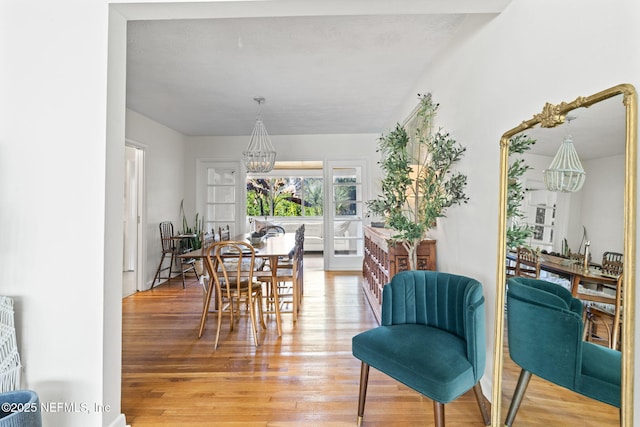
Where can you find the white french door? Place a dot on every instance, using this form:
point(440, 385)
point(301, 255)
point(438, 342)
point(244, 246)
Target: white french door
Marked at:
point(133, 232)
point(344, 214)
point(221, 185)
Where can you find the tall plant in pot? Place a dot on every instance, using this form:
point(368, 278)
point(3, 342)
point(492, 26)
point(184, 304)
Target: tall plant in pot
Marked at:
point(192, 243)
point(419, 184)
point(518, 231)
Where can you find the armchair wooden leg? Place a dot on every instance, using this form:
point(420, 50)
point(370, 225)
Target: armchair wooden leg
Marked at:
point(438, 413)
point(477, 389)
point(364, 379)
point(523, 382)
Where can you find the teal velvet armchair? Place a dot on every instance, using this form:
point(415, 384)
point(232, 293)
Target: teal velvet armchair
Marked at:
point(545, 333)
point(431, 338)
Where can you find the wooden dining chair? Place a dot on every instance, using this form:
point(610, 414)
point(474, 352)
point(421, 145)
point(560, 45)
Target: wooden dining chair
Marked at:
point(288, 281)
point(207, 238)
point(510, 266)
point(604, 305)
point(224, 233)
point(612, 263)
point(273, 230)
point(527, 263)
point(607, 315)
point(171, 248)
point(232, 266)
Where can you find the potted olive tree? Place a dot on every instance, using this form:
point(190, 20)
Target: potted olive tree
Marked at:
point(517, 233)
point(419, 184)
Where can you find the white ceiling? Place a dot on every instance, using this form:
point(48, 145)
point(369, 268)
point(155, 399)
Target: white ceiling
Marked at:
point(324, 67)
point(319, 74)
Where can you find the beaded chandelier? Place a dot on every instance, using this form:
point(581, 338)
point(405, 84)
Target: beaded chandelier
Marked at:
point(260, 155)
point(566, 173)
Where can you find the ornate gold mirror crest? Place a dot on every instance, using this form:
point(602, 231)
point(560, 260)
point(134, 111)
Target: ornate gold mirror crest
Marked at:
point(551, 116)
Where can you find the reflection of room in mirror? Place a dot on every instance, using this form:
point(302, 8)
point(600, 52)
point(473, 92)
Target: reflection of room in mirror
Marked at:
point(598, 206)
point(563, 222)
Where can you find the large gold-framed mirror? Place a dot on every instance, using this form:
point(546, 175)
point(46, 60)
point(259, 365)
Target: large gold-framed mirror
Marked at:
point(600, 113)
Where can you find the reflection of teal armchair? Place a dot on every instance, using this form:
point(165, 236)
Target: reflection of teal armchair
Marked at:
point(544, 324)
point(431, 338)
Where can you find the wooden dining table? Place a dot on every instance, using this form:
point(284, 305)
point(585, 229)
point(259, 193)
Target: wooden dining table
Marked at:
point(271, 249)
point(575, 273)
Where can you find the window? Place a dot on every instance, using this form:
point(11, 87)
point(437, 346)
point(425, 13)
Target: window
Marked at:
point(544, 223)
point(285, 196)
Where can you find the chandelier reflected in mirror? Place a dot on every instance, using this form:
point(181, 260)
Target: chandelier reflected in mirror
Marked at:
point(260, 155)
point(565, 173)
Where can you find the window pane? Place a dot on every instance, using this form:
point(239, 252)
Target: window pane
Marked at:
point(344, 200)
point(221, 212)
point(538, 232)
point(540, 215)
point(287, 199)
point(285, 196)
point(218, 176)
point(343, 231)
point(258, 197)
point(222, 194)
point(313, 197)
point(345, 175)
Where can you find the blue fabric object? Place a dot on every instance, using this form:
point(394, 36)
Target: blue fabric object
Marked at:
point(20, 408)
point(432, 334)
point(545, 330)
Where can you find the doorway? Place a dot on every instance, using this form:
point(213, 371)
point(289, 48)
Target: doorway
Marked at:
point(132, 265)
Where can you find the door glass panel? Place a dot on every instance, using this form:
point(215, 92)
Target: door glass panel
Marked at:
point(218, 176)
point(222, 194)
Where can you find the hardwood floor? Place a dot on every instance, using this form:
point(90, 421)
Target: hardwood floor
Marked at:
point(546, 404)
point(308, 377)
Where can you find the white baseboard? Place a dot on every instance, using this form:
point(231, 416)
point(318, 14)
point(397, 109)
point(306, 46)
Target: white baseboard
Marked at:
point(120, 421)
point(487, 387)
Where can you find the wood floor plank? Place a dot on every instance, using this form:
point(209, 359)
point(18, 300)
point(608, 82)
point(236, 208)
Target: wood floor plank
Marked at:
point(306, 377)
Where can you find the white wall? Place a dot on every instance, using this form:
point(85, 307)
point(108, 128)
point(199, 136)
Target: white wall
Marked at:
point(164, 151)
point(603, 205)
point(54, 106)
point(53, 134)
